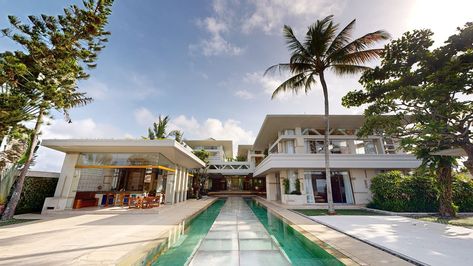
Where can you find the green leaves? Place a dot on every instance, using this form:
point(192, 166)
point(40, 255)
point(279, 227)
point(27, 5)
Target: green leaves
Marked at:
point(324, 49)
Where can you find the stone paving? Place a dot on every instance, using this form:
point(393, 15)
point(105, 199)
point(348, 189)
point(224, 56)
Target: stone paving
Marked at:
point(92, 237)
point(425, 242)
point(237, 237)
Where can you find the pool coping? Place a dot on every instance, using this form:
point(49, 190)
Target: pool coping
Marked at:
point(346, 257)
point(138, 255)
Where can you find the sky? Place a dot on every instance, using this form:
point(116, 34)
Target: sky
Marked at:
point(202, 63)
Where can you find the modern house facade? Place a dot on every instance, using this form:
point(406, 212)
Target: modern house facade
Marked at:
point(101, 170)
point(284, 164)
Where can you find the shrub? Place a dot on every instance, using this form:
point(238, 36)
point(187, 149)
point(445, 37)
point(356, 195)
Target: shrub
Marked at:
point(35, 190)
point(463, 193)
point(394, 191)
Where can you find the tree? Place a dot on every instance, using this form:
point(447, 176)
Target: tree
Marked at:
point(159, 130)
point(56, 52)
point(200, 174)
point(427, 94)
point(324, 50)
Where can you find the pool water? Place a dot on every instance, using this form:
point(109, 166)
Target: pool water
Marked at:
point(299, 249)
point(195, 230)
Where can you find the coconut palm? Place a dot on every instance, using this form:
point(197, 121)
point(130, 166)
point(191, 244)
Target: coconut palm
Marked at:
point(321, 50)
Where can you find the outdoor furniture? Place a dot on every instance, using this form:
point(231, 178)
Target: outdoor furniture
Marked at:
point(85, 199)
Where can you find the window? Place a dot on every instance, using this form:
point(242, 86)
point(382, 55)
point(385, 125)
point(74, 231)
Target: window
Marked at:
point(365, 147)
point(314, 146)
point(288, 146)
point(339, 147)
point(290, 132)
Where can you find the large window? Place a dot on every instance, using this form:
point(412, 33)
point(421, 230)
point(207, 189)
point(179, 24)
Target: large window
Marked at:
point(316, 186)
point(365, 147)
point(288, 146)
point(314, 146)
point(317, 146)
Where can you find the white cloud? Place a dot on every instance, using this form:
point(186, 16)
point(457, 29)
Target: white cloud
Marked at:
point(270, 15)
point(144, 117)
point(217, 26)
point(229, 129)
point(245, 94)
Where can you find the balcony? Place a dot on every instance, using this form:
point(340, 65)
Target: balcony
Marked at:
point(230, 168)
point(339, 161)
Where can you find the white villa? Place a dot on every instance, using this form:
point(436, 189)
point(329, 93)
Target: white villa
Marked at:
point(285, 160)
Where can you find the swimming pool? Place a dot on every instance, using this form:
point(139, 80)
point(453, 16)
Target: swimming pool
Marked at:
point(180, 247)
point(299, 249)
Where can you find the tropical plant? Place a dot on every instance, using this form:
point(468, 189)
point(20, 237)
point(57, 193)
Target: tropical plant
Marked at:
point(285, 183)
point(200, 174)
point(426, 93)
point(56, 52)
point(159, 130)
point(324, 50)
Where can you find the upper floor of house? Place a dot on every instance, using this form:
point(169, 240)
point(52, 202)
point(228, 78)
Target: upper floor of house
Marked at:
point(304, 134)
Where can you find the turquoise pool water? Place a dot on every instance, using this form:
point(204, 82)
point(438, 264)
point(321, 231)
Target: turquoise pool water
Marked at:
point(195, 230)
point(299, 249)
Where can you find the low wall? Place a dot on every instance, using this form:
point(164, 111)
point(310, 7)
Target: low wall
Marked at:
point(38, 186)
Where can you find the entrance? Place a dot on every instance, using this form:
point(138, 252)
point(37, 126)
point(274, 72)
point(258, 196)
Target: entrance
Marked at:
point(341, 186)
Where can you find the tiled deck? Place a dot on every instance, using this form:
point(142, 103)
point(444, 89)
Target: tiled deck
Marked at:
point(92, 237)
point(237, 237)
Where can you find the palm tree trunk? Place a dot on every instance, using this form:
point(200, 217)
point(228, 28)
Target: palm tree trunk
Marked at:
point(15, 198)
point(328, 179)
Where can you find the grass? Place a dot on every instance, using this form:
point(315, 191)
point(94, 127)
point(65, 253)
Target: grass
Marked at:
point(459, 221)
point(15, 221)
point(321, 212)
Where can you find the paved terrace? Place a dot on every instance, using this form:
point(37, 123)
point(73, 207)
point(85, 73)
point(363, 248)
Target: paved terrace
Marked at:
point(425, 242)
point(92, 237)
point(237, 237)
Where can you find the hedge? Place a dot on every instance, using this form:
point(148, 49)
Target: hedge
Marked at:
point(394, 191)
point(35, 190)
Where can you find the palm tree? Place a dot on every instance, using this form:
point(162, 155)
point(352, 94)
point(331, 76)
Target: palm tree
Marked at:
point(322, 50)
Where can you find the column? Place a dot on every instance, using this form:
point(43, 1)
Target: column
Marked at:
point(186, 183)
point(177, 184)
point(66, 187)
point(271, 186)
point(170, 187)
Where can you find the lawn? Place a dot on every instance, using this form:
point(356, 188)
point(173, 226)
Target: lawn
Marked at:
point(15, 221)
point(460, 221)
point(319, 212)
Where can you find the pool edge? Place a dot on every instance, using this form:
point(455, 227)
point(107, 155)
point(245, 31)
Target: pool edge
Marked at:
point(138, 255)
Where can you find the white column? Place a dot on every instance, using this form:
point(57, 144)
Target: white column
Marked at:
point(186, 183)
point(66, 187)
point(271, 186)
point(170, 187)
point(178, 185)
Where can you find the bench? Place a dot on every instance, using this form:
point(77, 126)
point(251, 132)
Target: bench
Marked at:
point(85, 199)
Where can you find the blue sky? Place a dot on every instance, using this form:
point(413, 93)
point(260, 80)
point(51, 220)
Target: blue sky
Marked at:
point(201, 62)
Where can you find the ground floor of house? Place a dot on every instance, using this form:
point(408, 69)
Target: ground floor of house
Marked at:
point(309, 186)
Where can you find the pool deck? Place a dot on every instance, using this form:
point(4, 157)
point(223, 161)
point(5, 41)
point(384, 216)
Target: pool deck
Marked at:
point(347, 249)
point(92, 236)
point(425, 242)
point(237, 237)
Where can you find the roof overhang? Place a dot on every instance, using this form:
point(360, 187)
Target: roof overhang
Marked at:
point(272, 124)
point(171, 149)
point(227, 144)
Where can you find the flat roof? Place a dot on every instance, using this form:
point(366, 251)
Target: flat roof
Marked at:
point(171, 149)
point(227, 144)
point(243, 150)
point(272, 124)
